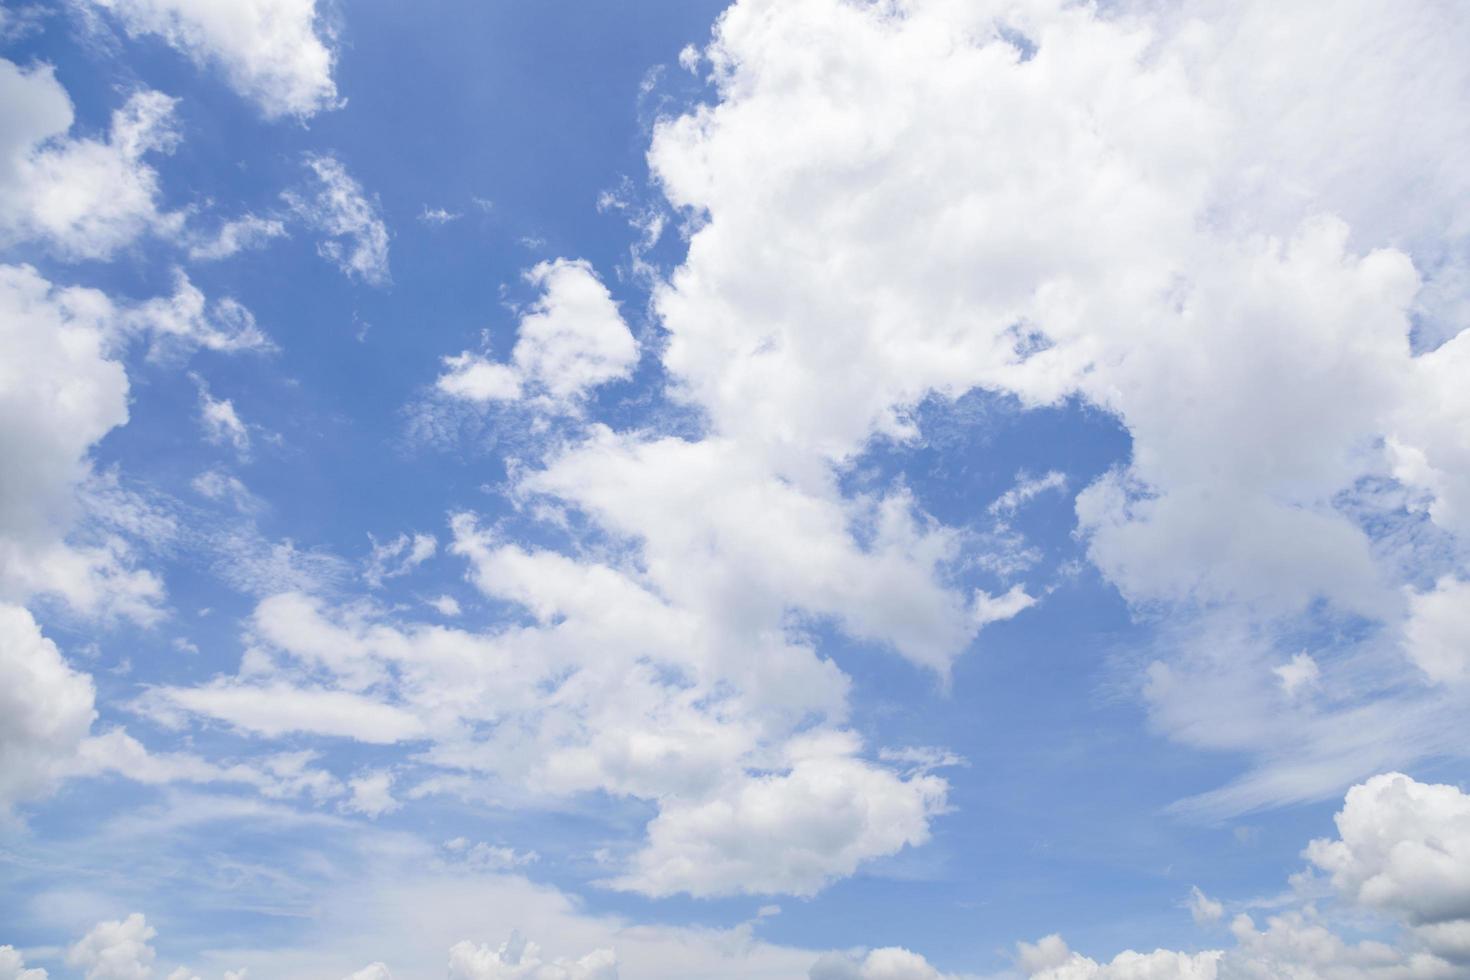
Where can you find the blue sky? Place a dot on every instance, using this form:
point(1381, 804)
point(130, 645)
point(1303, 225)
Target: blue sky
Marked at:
point(813, 489)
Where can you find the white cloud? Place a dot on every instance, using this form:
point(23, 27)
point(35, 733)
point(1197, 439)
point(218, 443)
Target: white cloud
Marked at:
point(372, 794)
point(398, 557)
point(373, 971)
point(273, 710)
point(490, 857)
point(218, 485)
point(1437, 635)
point(416, 915)
point(222, 424)
point(336, 206)
point(1026, 490)
point(517, 959)
point(790, 832)
point(572, 340)
point(611, 689)
point(237, 235)
point(185, 321)
point(1404, 849)
point(45, 709)
point(445, 605)
point(13, 967)
point(65, 530)
point(998, 608)
point(724, 535)
point(84, 198)
point(438, 216)
point(473, 378)
point(1204, 909)
point(1298, 673)
point(274, 52)
point(115, 950)
point(1236, 288)
point(1403, 853)
point(888, 963)
point(1051, 960)
point(61, 391)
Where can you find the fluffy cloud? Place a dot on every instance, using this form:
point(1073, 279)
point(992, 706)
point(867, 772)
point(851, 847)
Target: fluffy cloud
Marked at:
point(335, 205)
point(115, 950)
point(1050, 959)
point(274, 52)
point(789, 832)
point(1401, 854)
point(45, 709)
point(61, 390)
point(517, 959)
point(13, 967)
point(84, 198)
point(1404, 849)
point(373, 971)
point(1247, 293)
point(611, 687)
point(63, 387)
point(572, 340)
point(724, 534)
point(889, 963)
point(1437, 636)
point(372, 794)
point(46, 732)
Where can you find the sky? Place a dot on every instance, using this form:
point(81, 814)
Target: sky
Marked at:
point(794, 490)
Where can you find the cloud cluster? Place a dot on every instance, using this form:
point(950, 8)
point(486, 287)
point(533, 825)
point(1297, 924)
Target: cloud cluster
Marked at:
point(1265, 300)
point(571, 340)
point(274, 52)
point(1400, 854)
point(517, 959)
point(609, 687)
point(83, 198)
point(1403, 849)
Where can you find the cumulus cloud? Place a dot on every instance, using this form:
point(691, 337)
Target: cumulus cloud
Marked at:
point(372, 794)
point(373, 971)
point(335, 205)
point(609, 687)
point(1050, 959)
point(61, 391)
point(445, 605)
point(1401, 854)
point(46, 732)
point(1403, 848)
point(277, 53)
point(790, 832)
point(84, 198)
point(115, 950)
point(517, 959)
point(46, 709)
point(889, 963)
point(1241, 292)
point(571, 340)
point(13, 967)
point(1437, 636)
